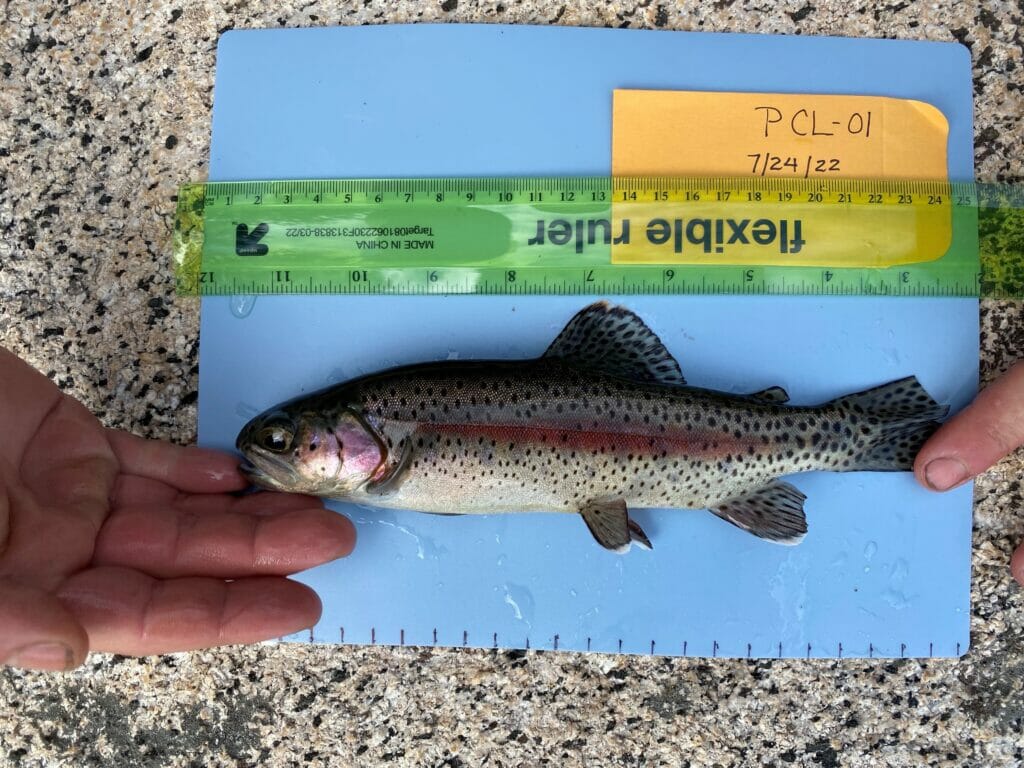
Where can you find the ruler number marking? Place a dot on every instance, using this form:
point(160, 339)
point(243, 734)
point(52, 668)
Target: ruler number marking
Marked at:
point(561, 276)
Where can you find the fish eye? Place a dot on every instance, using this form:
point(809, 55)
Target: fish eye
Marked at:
point(277, 435)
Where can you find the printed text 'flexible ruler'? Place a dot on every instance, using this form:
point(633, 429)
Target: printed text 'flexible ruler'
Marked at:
point(600, 235)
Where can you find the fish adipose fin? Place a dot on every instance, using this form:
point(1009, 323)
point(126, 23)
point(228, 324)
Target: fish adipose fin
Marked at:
point(774, 512)
point(901, 417)
point(609, 522)
point(617, 342)
point(771, 395)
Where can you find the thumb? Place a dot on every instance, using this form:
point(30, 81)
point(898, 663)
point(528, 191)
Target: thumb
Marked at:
point(38, 632)
point(976, 438)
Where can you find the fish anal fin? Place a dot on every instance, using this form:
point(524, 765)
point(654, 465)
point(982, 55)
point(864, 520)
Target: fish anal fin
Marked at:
point(616, 341)
point(610, 525)
point(774, 512)
point(771, 395)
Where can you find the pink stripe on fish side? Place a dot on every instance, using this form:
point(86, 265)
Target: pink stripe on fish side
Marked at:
point(704, 444)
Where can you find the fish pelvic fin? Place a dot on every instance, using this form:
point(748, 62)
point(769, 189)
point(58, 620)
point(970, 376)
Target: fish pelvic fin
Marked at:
point(894, 421)
point(609, 522)
point(616, 341)
point(774, 512)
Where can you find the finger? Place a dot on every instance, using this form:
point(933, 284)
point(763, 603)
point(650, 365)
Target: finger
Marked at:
point(131, 490)
point(977, 437)
point(38, 631)
point(68, 463)
point(1017, 565)
point(239, 539)
point(260, 503)
point(127, 612)
point(199, 470)
point(36, 396)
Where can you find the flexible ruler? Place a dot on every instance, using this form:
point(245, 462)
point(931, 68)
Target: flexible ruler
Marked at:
point(600, 235)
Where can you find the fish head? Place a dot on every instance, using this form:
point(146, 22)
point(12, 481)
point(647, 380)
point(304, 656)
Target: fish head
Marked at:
point(301, 451)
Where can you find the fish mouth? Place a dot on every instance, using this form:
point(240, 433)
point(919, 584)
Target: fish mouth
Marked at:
point(267, 470)
point(248, 469)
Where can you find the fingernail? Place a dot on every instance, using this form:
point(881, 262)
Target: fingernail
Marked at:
point(943, 474)
point(50, 656)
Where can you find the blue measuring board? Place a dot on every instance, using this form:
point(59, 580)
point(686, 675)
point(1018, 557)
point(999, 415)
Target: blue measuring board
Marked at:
point(885, 568)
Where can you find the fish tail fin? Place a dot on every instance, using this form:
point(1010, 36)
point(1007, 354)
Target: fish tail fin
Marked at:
point(892, 421)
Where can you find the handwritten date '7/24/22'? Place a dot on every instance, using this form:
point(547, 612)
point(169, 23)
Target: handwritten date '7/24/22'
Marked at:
point(764, 163)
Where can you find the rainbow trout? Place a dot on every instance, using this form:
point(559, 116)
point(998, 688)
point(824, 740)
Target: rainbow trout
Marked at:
point(602, 422)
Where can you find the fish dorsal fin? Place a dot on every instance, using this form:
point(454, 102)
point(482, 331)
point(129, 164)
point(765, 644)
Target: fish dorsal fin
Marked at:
point(771, 395)
point(774, 512)
point(609, 522)
point(615, 341)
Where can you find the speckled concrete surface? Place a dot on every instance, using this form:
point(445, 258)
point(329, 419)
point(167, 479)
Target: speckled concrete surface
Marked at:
point(104, 108)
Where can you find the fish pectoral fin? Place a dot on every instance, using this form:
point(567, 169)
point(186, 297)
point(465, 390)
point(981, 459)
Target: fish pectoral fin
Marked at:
point(394, 473)
point(771, 395)
point(609, 522)
point(613, 340)
point(774, 512)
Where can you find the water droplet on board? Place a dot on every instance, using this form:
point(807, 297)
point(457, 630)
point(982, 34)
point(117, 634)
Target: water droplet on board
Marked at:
point(899, 572)
point(425, 546)
point(521, 601)
point(241, 306)
point(870, 549)
point(895, 595)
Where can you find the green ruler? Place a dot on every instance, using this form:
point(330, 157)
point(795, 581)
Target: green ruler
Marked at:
point(599, 235)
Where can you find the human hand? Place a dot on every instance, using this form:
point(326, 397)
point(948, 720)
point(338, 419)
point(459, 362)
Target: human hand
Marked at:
point(109, 542)
point(976, 438)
